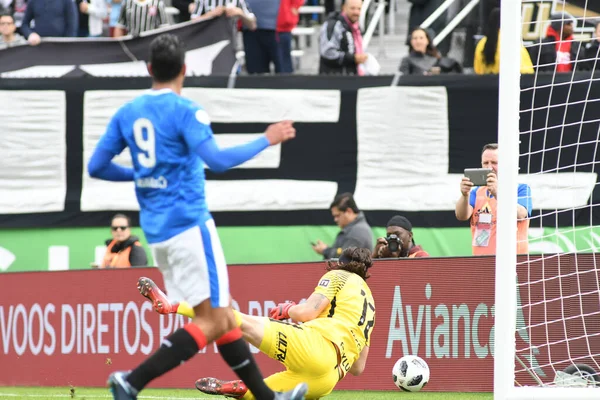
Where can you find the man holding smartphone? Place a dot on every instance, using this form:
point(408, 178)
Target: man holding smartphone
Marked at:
point(479, 204)
point(354, 228)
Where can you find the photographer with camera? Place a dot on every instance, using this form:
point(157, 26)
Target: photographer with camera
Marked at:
point(399, 242)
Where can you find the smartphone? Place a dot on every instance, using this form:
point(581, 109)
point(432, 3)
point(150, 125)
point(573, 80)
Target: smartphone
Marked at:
point(478, 175)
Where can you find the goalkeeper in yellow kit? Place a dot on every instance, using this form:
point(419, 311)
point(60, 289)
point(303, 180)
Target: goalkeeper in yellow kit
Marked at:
point(333, 339)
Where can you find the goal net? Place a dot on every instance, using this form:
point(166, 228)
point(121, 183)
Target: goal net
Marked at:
point(548, 324)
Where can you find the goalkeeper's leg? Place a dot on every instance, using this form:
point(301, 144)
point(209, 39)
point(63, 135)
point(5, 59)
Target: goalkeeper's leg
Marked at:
point(307, 356)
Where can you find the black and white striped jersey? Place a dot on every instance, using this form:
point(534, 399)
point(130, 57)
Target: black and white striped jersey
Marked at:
point(138, 16)
point(204, 6)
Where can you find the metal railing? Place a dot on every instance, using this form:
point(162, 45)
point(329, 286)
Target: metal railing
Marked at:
point(452, 24)
point(377, 20)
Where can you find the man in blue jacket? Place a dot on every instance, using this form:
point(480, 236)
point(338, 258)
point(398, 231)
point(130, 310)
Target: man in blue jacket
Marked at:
point(53, 18)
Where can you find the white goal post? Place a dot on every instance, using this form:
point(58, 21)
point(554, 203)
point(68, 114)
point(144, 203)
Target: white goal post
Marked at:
point(561, 288)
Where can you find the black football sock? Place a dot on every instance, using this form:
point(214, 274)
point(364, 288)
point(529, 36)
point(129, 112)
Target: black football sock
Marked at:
point(182, 345)
point(237, 354)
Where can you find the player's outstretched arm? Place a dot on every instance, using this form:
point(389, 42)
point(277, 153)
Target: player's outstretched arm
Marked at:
point(220, 160)
point(311, 309)
point(101, 166)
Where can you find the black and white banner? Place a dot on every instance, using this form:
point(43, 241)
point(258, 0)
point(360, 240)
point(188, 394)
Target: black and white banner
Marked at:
point(209, 51)
point(398, 149)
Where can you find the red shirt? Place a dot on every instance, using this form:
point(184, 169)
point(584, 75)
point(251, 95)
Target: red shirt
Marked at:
point(417, 251)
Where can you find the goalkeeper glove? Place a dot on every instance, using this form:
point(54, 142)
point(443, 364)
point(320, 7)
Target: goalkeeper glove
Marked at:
point(281, 311)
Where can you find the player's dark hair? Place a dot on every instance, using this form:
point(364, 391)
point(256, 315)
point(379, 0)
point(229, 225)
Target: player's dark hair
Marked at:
point(167, 57)
point(353, 259)
point(121, 216)
point(489, 146)
point(345, 201)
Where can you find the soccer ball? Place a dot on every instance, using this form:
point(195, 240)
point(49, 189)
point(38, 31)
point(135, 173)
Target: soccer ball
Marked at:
point(410, 373)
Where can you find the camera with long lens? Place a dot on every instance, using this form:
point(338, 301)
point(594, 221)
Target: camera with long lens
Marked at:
point(393, 243)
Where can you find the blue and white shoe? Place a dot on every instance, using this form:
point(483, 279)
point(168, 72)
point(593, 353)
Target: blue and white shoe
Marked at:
point(120, 388)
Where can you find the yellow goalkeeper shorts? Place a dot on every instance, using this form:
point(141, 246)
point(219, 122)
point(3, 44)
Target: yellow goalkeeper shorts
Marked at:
point(307, 356)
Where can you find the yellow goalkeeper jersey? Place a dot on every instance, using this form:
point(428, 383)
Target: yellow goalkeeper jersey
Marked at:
point(349, 320)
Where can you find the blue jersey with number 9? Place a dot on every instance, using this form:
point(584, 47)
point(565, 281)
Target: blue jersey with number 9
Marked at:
point(162, 130)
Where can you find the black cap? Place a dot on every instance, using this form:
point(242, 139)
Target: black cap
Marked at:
point(559, 19)
point(402, 222)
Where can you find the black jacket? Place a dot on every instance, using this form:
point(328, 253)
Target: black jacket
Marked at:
point(337, 47)
point(419, 63)
point(137, 256)
point(546, 51)
point(592, 55)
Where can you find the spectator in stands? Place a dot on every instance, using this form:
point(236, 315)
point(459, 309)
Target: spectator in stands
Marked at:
point(260, 44)
point(487, 52)
point(420, 10)
point(137, 17)
point(8, 29)
point(479, 204)
point(424, 58)
point(91, 17)
point(123, 250)
point(399, 242)
point(16, 8)
point(287, 19)
point(53, 18)
point(341, 42)
point(558, 51)
point(355, 231)
point(113, 18)
point(592, 51)
point(229, 8)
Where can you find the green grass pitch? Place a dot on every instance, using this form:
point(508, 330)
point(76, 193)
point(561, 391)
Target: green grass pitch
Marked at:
point(37, 393)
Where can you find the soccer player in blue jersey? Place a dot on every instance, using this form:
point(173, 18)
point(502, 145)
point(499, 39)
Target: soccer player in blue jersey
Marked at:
point(170, 139)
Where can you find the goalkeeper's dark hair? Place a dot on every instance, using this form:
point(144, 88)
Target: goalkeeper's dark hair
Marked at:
point(353, 259)
point(167, 57)
point(491, 35)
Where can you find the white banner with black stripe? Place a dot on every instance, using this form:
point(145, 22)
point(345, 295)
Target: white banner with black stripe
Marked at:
point(209, 51)
point(398, 149)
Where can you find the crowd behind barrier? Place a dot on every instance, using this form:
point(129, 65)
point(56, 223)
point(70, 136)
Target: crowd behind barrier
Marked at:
point(268, 36)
